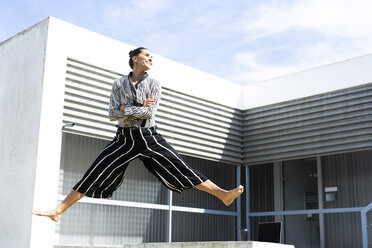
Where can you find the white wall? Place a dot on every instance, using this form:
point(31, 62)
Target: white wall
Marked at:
point(21, 72)
point(315, 81)
point(49, 139)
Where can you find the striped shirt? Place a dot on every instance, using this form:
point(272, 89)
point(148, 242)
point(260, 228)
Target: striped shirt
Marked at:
point(133, 97)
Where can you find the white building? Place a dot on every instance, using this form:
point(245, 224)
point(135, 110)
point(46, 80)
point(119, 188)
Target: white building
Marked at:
point(55, 73)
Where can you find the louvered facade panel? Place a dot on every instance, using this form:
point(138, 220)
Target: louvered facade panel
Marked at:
point(192, 125)
point(323, 124)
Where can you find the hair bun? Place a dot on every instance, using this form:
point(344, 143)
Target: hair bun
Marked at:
point(130, 53)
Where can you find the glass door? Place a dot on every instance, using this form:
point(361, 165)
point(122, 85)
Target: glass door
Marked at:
point(300, 187)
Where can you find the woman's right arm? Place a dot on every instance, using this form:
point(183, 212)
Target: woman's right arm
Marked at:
point(114, 105)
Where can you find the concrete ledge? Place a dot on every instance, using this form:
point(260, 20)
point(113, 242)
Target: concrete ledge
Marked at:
point(213, 244)
point(223, 244)
point(87, 246)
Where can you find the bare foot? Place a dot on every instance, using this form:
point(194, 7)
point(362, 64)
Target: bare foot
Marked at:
point(52, 214)
point(232, 194)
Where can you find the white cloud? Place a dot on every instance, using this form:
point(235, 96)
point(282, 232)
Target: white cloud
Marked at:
point(334, 17)
point(343, 18)
point(337, 30)
point(247, 69)
point(239, 40)
point(131, 12)
point(150, 7)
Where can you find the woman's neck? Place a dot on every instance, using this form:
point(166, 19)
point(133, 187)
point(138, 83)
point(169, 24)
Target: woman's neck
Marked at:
point(136, 75)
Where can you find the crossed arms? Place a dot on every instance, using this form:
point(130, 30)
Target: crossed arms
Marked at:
point(119, 111)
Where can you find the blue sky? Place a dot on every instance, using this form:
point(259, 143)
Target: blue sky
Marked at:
point(244, 41)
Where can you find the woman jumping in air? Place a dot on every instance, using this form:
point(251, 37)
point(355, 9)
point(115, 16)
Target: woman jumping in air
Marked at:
point(133, 103)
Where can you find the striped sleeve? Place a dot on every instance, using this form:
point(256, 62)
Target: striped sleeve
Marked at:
point(114, 105)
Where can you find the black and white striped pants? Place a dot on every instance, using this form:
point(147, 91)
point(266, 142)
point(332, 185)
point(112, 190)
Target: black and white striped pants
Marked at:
point(107, 172)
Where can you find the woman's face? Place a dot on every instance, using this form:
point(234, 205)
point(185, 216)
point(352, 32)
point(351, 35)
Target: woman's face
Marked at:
point(143, 60)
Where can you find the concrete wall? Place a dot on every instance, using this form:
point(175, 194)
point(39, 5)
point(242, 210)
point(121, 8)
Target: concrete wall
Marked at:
point(50, 136)
point(21, 86)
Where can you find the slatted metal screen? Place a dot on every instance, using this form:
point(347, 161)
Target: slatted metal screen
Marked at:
point(194, 126)
point(323, 124)
point(329, 123)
